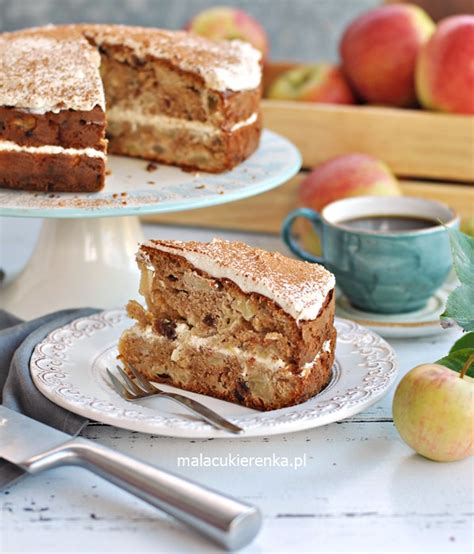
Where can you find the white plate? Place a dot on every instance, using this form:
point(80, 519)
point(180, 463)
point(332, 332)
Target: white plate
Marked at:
point(68, 367)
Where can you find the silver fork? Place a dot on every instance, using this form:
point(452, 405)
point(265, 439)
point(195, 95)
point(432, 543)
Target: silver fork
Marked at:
point(140, 388)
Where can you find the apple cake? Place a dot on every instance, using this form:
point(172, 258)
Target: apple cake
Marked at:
point(166, 96)
point(231, 321)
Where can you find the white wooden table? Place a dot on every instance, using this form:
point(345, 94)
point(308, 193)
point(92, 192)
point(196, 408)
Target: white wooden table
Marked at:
point(362, 489)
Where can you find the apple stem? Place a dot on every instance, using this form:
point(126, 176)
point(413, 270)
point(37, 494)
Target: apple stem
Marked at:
point(467, 365)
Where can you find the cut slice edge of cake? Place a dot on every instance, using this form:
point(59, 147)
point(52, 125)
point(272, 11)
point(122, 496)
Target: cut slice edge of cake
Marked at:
point(233, 322)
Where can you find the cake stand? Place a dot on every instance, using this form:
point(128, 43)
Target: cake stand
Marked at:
point(85, 255)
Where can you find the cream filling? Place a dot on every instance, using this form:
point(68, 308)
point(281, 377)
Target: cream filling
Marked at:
point(267, 361)
point(186, 338)
point(136, 118)
point(9, 146)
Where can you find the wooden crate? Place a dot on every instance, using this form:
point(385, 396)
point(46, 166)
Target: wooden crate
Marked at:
point(274, 205)
point(414, 143)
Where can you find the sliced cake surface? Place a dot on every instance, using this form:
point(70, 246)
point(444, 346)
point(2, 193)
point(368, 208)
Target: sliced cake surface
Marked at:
point(232, 321)
point(171, 97)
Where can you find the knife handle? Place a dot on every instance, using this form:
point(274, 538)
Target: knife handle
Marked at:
point(225, 520)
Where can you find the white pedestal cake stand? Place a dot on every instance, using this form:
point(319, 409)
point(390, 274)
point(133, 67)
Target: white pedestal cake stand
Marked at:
point(86, 249)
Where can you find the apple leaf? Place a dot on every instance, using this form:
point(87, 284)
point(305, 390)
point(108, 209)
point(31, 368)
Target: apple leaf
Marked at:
point(456, 360)
point(460, 307)
point(462, 250)
point(466, 341)
point(460, 304)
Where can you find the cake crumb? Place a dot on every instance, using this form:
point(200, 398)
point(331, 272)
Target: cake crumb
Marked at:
point(108, 171)
point(151, 167)
point(151, 182)
point(201, 186)
point(123, 194)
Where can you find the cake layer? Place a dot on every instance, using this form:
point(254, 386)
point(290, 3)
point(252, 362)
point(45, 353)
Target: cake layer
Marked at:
point(227, 373)
point(191, 146)
point(67, 128)
point(299, 288)
point(53, 172)
point(152, 87)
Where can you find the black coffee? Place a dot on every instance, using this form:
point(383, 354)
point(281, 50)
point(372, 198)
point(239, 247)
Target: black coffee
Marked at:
point(389, 223)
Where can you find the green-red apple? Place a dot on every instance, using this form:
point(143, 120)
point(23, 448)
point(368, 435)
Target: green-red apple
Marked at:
point(433, 410)
point(379, 50)
point(313, 83)
point(345, 176)
point(445, 67)
point(226, 23)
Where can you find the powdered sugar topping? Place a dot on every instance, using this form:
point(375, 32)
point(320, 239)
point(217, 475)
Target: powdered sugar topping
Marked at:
point(46, 72)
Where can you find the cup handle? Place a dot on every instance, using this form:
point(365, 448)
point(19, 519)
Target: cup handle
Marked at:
point(292, 244)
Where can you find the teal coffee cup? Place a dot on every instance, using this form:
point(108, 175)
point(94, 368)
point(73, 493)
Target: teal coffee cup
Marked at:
point(389, 253)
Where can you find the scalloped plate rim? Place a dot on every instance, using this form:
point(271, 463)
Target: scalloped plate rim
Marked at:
point(293, 419)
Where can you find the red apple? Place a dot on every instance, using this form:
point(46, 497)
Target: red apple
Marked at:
point(345, 176)
point(312, 83)
point(433, 410)
point(379, 51)
point(225, 23)
point(445, 67)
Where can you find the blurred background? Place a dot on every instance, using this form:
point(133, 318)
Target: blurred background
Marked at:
point(298, 29)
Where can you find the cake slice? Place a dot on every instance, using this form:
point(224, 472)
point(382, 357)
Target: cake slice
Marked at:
point(231, 321)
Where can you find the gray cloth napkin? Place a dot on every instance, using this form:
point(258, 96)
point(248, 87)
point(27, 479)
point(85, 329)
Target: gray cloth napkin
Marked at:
point(17, 341)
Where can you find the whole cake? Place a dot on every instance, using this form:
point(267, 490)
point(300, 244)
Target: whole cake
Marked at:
point(233, 322)
point(167, 96)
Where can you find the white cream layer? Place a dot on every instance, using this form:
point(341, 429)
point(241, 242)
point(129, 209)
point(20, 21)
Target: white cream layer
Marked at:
point(9, 146)
point(187, 339)
point(266, 361)
point(136, 117)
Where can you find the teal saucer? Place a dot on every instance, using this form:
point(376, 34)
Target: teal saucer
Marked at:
point(423, 322)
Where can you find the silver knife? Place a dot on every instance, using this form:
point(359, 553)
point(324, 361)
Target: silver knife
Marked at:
point(33, 447)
